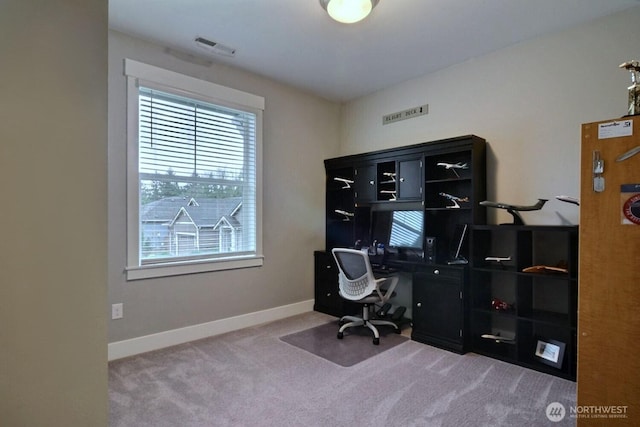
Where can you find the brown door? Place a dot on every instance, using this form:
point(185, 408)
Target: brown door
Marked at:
point(609, 276)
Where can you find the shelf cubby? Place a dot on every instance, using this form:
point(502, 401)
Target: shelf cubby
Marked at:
point(542, 304)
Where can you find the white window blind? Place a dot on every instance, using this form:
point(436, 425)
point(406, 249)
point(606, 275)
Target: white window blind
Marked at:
point(197, 180)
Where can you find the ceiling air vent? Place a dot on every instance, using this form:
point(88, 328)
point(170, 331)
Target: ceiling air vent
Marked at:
point(215, 47)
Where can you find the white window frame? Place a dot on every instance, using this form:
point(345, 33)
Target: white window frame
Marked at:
point(147, 75)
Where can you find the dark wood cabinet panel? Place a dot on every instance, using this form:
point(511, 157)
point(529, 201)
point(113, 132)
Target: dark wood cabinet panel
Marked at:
point(365, 183)
point(409, 179)
point(438, 307)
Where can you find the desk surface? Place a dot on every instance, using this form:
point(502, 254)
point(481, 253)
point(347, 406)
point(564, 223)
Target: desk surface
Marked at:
point(408, 266)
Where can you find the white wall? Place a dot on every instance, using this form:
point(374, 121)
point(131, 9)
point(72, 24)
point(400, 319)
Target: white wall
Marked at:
point(53, 181)
point(299, 132)
point(528, 101)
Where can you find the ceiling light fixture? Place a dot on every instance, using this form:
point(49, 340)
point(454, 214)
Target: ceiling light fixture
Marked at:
point(348, 11)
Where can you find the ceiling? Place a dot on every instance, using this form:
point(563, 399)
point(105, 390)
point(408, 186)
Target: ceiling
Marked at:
point(295, 41)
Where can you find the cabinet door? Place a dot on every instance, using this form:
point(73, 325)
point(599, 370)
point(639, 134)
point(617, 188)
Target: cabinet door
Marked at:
point(609, 324)
point(365, 183)
point(438, 309)
point(409, 179)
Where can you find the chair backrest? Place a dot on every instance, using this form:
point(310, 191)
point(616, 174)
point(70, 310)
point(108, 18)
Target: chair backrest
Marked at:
point(356, 279)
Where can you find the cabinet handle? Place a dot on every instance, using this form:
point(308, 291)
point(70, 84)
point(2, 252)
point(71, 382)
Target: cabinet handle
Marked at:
point(371, 182)
point(329, 294)
point(401, 179)
point(328, 267)
point(419, 304)
point(436, 271)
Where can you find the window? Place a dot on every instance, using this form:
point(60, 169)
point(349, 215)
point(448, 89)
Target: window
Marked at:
point(193, 183)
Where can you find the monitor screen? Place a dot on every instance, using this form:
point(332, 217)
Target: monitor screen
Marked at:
point(407, 229)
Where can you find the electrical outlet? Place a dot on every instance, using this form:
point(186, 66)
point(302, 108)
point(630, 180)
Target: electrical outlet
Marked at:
point(117, 311)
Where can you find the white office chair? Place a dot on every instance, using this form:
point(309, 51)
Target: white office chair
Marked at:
point(358, 284)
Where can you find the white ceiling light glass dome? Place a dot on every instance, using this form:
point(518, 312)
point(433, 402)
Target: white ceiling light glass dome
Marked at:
point(348, 11)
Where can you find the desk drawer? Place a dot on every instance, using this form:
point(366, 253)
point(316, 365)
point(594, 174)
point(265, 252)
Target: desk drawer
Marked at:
point(443, 272)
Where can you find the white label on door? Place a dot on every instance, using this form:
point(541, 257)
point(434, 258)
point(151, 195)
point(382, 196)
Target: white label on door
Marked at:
point(615, 129)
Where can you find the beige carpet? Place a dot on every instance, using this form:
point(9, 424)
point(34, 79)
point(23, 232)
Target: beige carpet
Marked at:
point(252, 378)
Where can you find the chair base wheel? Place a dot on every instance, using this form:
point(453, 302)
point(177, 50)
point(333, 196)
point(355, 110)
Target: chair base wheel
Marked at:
point(376, 341)
point(340, 335)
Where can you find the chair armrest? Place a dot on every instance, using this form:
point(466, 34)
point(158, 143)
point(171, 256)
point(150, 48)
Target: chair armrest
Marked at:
point(389, 291)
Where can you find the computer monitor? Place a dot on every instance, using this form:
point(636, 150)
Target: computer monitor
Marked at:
point(407, 229)
point(400, 232)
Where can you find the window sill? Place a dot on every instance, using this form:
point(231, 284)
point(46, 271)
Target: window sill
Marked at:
point(181, 268)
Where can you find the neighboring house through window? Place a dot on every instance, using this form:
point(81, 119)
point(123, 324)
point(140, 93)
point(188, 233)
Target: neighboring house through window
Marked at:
point(194, 162)
point(179, 226)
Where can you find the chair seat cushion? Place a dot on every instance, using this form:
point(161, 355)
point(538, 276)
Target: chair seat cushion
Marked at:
point(373, 298)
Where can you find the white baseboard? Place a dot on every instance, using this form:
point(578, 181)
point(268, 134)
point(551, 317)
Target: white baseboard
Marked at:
point(133, 346)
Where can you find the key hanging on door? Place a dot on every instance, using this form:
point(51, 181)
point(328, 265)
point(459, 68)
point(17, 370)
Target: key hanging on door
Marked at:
point(598, 170)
